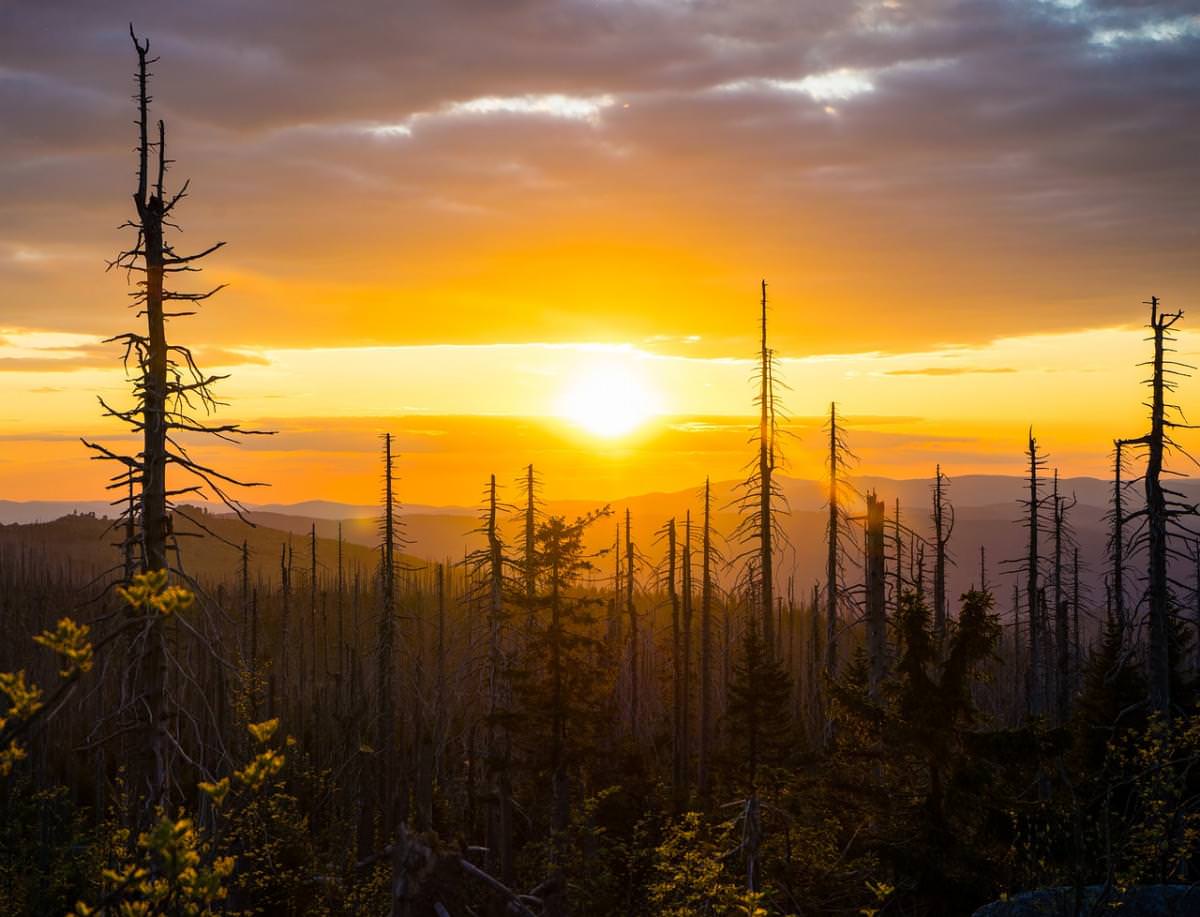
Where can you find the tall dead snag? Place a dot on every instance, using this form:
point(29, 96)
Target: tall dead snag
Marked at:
point(1036, 675)
point(1060, 508)
point(1116, 540)
point(488, 565)
point(529, 557)
point(1196, 601)
point(837, 529)
point(685, 735)
point(631, 611)
point(677, 750)
point(766, 468)
point(340, 676)
point(876, 611)
point(386, 648)
point(282, 685)
point(1076, 634)
point(613, 629)
point(1164, 507)
point(943, 528)
point(704, 756)
point(760, 497)
point(168, 388)
point(898, 538)
point(832, 566)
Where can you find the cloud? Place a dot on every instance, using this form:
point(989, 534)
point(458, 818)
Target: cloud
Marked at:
point(987, 171)
point(949, 370)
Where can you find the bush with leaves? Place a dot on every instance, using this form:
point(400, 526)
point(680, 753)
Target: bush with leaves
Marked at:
point(26, 701)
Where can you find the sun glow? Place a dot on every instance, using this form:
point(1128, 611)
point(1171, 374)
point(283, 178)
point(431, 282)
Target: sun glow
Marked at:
point(608, 401)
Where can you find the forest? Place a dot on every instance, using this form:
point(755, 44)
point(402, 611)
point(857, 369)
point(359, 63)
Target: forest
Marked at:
point(597, 713)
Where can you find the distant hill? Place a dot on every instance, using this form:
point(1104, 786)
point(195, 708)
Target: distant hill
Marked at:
point(84, 546)
point(986, 507)
point(25, 511)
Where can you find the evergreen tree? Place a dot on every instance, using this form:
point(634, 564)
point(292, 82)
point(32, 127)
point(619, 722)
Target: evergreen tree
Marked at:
point(759, 704)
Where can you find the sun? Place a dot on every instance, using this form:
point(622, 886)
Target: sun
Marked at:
point(608, 401)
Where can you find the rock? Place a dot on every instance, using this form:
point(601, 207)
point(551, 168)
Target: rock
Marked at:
point(1142, 901)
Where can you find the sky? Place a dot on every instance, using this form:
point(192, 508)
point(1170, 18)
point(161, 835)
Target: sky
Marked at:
point(534, 231)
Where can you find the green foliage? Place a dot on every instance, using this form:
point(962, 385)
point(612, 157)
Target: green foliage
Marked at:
point(925, 790)
point(70, 641)
point(561, 687)
point(150, 594)
point(690, 871)
point(175, 868)
point(48, 851)
point(1160, 839)
point(759, 712)
point(171, 872)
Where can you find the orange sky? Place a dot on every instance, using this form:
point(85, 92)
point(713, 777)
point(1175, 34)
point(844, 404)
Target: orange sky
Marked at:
point(462, 412)
point(441, 221)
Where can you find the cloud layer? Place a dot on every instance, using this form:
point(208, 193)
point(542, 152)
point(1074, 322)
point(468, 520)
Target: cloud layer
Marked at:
point(906, 172)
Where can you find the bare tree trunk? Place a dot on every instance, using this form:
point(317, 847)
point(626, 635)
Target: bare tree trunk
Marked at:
point(1157, 516)
point(677, 761)
point(560, 791)
point(706, 645)
point(529, 570)
point(943, 527)
point(614, 609)
point(385, 690)
point(766, 469)
point(815, 717)
point(1117, 543)
point(631, 611)
point(1062, 673)
point(285, 628)
point(340, 701)
point(1035, 689)
point(876, 612)
point(1077, 661)
point(831, 561)
point(898, 531)
point(499, 742)
point(686, 651)
point(153, 671)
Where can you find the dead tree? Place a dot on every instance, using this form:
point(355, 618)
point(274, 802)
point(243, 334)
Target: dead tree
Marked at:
point(386, 648)
point(529, 557)
point(285, 635)
point(1076, 633)
point(1196, 600)
point(1164, 508)
point(631, 611)
point(685, 734)
point(1116, 540)
point(760, 497)
point(1060, 508)
point(766, 470)
point(707, 713)
point(678, 754)
point(943, 528)
point(1036, 673)
point(489, 563)
point(168, 391)
point(614, 607)
point(876, 611)
point(838, 528)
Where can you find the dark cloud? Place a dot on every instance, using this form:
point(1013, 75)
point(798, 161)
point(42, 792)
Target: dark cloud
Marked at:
point(1017, 165)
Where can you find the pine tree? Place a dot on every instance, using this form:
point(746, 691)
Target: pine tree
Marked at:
point(561, 686)
point(759, 698)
